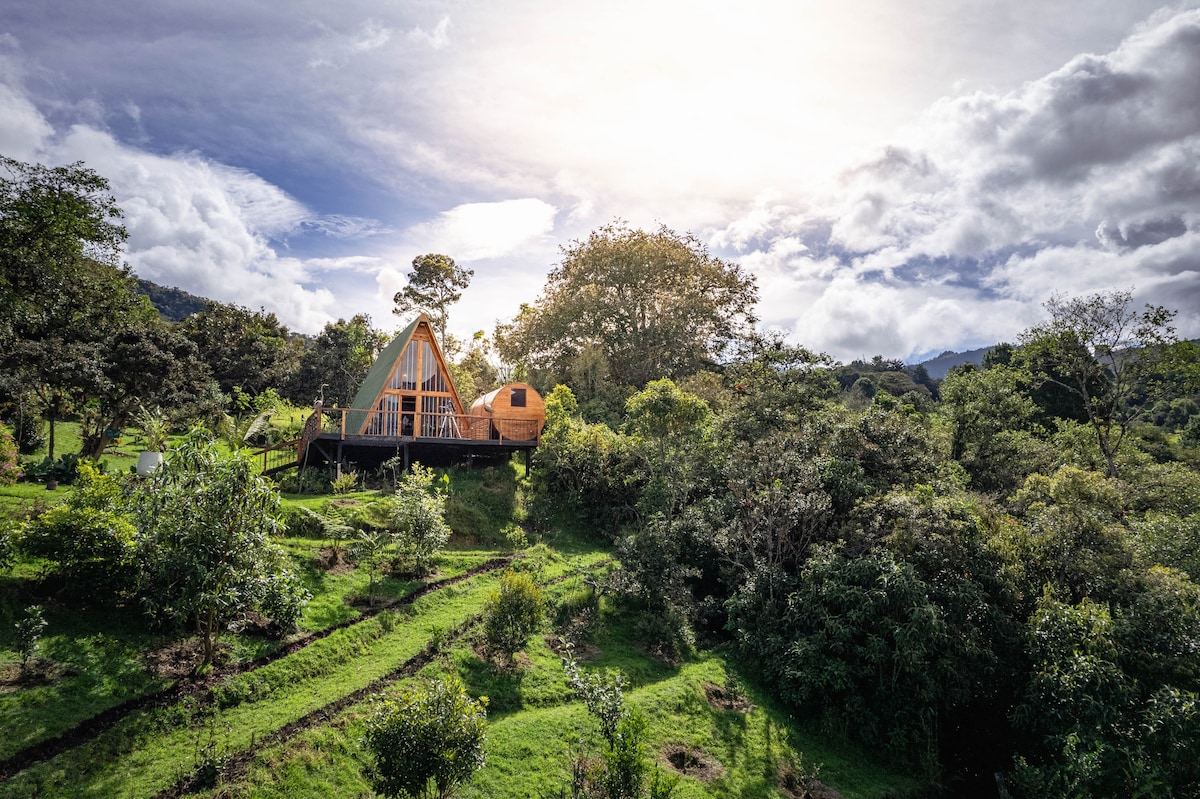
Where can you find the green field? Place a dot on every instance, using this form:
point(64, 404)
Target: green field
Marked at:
point(261, 724)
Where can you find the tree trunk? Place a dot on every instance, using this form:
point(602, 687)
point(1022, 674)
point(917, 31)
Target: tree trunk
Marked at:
point(53, 410)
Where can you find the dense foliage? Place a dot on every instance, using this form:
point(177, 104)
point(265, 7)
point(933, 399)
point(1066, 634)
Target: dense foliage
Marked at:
point(191, 544)
point(963, 584)
point(426, 740)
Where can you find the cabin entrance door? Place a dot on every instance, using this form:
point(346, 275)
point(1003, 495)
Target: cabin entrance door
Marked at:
point(408, 407)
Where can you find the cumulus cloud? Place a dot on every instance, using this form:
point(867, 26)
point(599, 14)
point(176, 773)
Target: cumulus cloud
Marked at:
point(1083, 180)
point(204, 227)
point(192, 223)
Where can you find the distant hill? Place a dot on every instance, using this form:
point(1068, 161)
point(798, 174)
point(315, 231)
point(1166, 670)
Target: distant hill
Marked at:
point(174, 304)
point(939, 366)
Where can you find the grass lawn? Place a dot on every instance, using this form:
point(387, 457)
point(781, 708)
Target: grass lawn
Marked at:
point(289, 724)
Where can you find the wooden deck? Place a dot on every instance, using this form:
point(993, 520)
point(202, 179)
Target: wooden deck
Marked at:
point(367, 438)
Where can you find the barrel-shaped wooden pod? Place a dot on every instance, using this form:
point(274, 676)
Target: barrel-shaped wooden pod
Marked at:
point(514, 411)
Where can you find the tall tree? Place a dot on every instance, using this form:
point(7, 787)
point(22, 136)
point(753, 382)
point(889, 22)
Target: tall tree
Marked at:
point(62, 284)
point(656, 304)
point(1115, 359)
point(334, 366)
point(434, 284)
point(144, 362)
point(248, 349)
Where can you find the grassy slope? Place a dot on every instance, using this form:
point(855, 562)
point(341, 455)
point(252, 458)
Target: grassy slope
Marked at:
point(535, 723)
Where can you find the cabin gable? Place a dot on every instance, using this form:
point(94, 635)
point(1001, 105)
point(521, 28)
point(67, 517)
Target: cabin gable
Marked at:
point(408, 390)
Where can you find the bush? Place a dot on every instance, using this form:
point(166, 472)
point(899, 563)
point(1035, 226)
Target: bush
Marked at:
point(513, 613)
point(90, 539)
point(205, 521)
point(29, 633)
point(6, 545)
point(65, 470)
point(29, 435)
point(426, 741)
point(10, 471)
point(415, 515)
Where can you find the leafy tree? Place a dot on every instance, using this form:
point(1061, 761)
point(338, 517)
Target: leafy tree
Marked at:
point(656, 304)
point(250, 350)
point(370, 549)
point(775, 386)
point(622, 771)
point(61, 281)
point(334, 366)
point(474, 374)
point(55, 224)
point(426, 741)
point(29, 634)
point(983, 409)
point(205, 520)
point(144, 361)
point(1114, 359)
point(1111, 708)
point(513, 612)
point(586, 469)
point(434, 284)
point(677, 429)
point(1071, 536)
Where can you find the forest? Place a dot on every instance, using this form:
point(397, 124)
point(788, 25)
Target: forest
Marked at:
point(988, 583)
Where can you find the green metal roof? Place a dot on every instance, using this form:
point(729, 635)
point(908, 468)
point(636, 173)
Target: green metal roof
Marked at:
point(376, 379)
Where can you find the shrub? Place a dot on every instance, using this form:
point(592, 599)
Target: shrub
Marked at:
point(426, 741)
point(205, 520)
point(90, 539)
point(29, 435)
point(10, 471)
point(6, 545)
point(415, 515)
point(344, 483)
point(513, 613)
point(29, 633)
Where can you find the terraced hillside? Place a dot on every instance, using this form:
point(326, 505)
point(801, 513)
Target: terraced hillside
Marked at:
point(116, 711)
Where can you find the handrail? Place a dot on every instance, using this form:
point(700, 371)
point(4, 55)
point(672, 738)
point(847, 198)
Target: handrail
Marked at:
point(278, 455)
point(420, 424)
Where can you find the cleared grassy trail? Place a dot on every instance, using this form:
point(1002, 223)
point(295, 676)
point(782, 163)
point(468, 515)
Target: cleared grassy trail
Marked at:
point(200, 688)
point(152, 750)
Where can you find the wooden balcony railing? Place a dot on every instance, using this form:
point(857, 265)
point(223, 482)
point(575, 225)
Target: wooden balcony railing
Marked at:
point(344, 422)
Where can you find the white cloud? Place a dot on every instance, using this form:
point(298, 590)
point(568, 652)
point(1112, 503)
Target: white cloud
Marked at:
point(475, 231)
point(204, 227)
point(1083, 180)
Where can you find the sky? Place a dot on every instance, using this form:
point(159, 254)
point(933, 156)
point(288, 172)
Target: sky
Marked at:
point(902, 177)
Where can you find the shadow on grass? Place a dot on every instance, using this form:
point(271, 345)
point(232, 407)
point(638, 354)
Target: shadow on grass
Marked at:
point(97, 662)
point(502, 685)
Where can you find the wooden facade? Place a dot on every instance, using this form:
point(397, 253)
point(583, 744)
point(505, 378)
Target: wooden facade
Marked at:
point(409, 391)
point(514, 411)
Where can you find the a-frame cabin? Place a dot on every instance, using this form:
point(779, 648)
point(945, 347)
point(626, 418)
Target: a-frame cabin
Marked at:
point(408, 406)
point(409, 390)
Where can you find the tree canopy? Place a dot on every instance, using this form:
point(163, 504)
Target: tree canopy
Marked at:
point(1113, 358)
point(74, 335)
point(334, 366)
point(434, 284)
point(655, 304)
